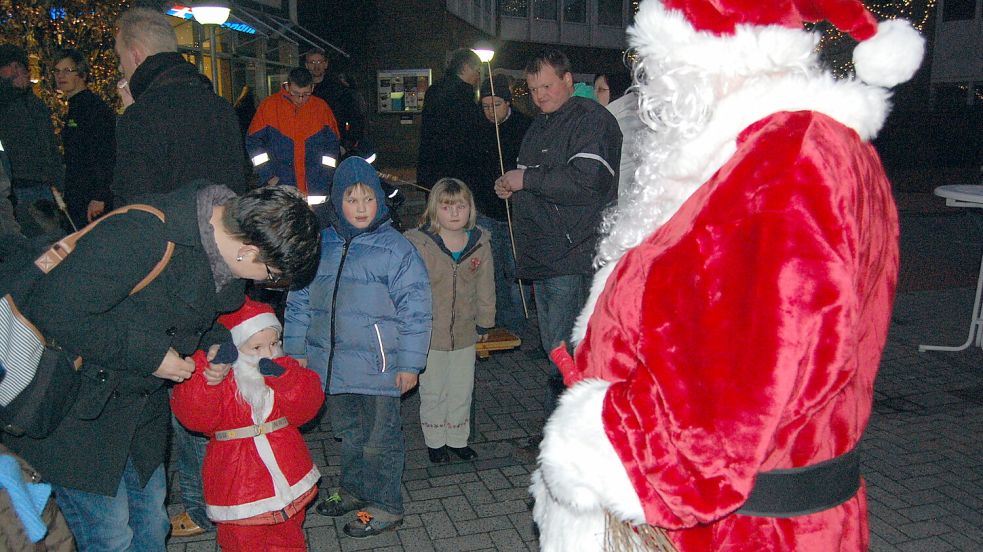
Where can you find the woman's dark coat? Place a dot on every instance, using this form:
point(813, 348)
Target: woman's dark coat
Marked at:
point(83, 304)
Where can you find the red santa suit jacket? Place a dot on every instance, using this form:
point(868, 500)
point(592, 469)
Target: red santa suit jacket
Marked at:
point(247, 477)
point(743, 336)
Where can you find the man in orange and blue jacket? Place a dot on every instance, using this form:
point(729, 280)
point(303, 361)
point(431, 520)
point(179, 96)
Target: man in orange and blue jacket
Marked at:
point(293, 139)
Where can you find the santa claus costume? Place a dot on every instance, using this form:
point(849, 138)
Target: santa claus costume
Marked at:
point(727, 356)
point(258, 473)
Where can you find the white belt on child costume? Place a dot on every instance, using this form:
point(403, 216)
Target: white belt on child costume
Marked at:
point(251, 431)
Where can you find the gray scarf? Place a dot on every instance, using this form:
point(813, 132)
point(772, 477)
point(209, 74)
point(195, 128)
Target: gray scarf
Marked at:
point(208, 198)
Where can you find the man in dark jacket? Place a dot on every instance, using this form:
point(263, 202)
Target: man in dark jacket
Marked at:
point(450, 116)
point(339, 97)
point(89, 139)
point(27, 136)
point(567, 176)
point(492, 216)
point(106, 457)
point(178, 129)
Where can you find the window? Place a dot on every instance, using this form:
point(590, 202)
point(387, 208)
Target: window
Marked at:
point(575, 11)
point(957, 10)
point(514, 8)
point(610, 13)
point(544, 9)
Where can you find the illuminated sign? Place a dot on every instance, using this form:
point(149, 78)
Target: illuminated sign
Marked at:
point(184, 12)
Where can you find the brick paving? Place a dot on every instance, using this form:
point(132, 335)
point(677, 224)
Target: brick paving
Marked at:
point(922, 453)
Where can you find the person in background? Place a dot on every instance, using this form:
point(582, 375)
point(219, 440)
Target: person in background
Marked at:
point(293, 139)
point(608, 87)
point(252, 420)
point(492, 216)
point(462, 277)
point(450, 115)
point(8, 222)
point(177, 128)
point(340, 97)
point(28, 138)
point(614, 91)
point(363, 325)
point(89, 139)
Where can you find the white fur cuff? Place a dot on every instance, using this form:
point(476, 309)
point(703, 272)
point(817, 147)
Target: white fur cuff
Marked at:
point(578, 465)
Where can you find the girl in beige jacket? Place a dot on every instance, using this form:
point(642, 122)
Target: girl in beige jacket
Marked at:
point(459, 260)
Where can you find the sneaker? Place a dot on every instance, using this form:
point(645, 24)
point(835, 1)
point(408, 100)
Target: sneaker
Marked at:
point(438, 455)
point(528, 453)
point(464, 453)
point(339, 504)
point(366, 525)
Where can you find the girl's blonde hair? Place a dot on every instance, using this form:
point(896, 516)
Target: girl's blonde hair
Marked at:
point(447, 190)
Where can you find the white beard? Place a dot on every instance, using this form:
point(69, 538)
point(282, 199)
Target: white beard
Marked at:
point(252, 389)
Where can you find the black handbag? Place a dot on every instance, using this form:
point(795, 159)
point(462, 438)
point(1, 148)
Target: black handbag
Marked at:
point(41, 380)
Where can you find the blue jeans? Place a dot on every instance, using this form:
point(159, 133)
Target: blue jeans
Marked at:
point(372, 448)
point(508, 301)
point(558, 302)
point(190, 459)
point(134, 519)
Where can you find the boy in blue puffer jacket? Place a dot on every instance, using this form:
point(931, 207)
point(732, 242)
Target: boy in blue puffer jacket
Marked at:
point(363, 325)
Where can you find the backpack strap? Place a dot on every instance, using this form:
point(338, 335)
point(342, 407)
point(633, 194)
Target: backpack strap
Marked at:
point(63, 247)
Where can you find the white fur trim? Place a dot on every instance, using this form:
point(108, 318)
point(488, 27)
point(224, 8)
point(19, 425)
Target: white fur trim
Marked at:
point(891, 56)
point(277, 502)
point(578, 465)
point(667, 35)
point(561, 528)
point(247, 328)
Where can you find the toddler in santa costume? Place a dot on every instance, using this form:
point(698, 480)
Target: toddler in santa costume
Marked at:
point(258, 473)
point(727, 355)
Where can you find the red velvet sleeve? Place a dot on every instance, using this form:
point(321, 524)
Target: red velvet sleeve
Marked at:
point(746, 321)
point(197, 405)
point(298, 392)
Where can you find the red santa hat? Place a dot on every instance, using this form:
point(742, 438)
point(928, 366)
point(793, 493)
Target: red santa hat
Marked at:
point(889, 53)
point(252, 317)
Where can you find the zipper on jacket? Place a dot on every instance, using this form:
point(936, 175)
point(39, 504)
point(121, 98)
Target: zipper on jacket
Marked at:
point(566, 234)
point(454, 302)
point(334, 304)
point(382, 350)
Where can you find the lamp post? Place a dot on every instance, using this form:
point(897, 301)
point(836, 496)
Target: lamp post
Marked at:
point(212, 15)
point(485, 53)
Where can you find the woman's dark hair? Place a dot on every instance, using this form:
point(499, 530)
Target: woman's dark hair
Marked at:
point(619, 83)
point(277, 220)
point(81, 64)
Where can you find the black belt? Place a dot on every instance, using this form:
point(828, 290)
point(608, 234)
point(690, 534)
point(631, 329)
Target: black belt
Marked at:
point(795, 492)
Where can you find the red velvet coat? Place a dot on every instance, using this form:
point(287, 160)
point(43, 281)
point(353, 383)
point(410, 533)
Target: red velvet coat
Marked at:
point(247, 477)
point(744, 335)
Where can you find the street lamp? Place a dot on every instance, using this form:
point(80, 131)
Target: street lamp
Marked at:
point(212, 14)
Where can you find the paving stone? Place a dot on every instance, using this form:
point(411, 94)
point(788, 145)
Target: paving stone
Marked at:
point(464, 543)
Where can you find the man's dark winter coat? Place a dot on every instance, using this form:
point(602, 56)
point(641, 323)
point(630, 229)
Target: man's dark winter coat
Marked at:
point(178, 130)
point(571, 157)
point(450, 121)
point(89, 137)
point(510, 132)
point(28, 138)
point(341, 100)
point(83, 304)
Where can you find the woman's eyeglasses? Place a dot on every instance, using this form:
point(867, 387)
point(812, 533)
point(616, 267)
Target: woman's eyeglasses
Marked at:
point(65, 71)
point(270, 277)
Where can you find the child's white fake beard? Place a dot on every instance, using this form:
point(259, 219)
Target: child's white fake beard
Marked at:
point(252, 387)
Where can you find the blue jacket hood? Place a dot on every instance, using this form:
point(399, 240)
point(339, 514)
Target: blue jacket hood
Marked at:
point(352, 171)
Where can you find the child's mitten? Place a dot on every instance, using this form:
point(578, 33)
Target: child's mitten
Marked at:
point(269, 368)
point(227, 354)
